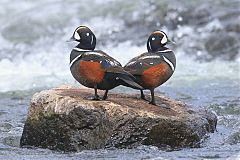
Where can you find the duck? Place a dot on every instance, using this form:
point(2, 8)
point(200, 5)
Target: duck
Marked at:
point(153, 68)
point(95, 68)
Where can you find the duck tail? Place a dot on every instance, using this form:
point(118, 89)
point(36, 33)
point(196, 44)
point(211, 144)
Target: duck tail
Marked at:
point(129, 81)
point(126, 79)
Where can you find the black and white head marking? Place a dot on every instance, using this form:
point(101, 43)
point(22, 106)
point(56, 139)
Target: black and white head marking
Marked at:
point(156, 41)
point(162, 35)
point(76, 33)
point(85, 37)
point(91, 39)
point(164, 38)
point(149, 44)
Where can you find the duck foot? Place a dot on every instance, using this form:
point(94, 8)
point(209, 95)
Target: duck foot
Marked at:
point(152, 103)
point(162, 105)
point(96, 96)
point(93, 98)
point(143, 96)
point(105, 95)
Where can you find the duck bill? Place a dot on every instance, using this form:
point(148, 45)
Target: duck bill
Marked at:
point(170, 41)
point(71, 39)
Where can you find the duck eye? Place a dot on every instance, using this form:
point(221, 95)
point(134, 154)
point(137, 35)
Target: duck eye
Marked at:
point(153, 38)
point(87, 34)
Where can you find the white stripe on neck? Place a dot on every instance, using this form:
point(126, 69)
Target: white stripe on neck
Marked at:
point(166, 50)
point(87, 52)
point(94, 53)
point(80, 50)
point(169, 62)
point(151, 56)
point(74, 60)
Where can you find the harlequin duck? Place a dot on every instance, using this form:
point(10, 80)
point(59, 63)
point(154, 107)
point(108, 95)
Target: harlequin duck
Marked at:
point(154, 67)
point(94, 68)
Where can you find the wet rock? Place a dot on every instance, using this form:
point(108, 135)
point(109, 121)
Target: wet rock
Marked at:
point(234, 138)
point(13, 141)
point(63, 119)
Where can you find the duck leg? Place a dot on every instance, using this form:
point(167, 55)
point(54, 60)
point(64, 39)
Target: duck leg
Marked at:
point(153, 99)
point(142, 95)
point(96, 97)
point(105, 95)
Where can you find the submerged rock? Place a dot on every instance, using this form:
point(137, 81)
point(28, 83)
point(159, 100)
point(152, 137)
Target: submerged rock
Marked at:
point(63, 119)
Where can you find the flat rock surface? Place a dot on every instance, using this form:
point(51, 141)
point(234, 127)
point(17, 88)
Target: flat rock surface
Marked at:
point(64, 119)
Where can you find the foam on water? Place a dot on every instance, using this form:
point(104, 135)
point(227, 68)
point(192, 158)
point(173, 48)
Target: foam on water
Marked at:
point(32, 27)
point(45, 63)
point(46, 68)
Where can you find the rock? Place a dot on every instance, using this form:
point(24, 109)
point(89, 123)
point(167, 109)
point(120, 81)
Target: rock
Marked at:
point(63, 119)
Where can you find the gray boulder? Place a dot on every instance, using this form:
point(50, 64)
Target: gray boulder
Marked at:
point(63, 119)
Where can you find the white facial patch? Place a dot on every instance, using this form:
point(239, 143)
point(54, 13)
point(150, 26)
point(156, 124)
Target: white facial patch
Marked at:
point(153, 38)
point(87, 34)
point(76, 35)
point(169, 63)
point(164, 39)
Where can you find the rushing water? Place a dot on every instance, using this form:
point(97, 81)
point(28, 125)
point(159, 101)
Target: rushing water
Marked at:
point(34, 55)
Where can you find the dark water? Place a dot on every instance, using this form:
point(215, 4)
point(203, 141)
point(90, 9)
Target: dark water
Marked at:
point(35, 56)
